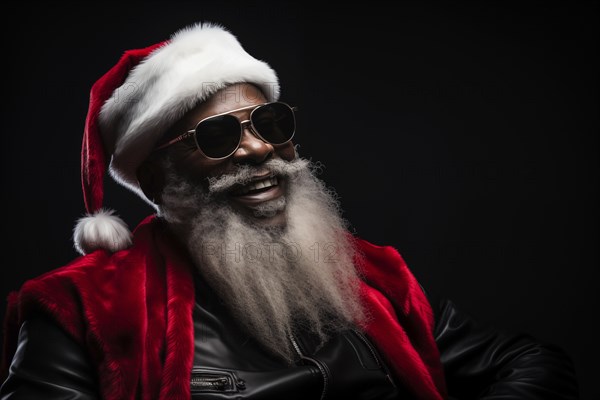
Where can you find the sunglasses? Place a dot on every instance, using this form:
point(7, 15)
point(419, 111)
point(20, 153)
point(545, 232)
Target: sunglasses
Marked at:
point(220, 135)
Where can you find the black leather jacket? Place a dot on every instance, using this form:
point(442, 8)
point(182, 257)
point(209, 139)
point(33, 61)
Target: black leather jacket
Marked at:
point(480, 363)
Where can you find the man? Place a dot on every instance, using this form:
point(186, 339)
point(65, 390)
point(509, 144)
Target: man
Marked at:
point(246, 283)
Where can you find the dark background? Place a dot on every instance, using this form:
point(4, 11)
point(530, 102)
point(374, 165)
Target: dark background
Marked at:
point(466, 136)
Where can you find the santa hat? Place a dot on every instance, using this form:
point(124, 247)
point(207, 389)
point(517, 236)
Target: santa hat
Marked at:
point(135, 103)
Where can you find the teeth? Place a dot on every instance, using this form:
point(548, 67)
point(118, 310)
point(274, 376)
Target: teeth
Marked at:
point(263, 183)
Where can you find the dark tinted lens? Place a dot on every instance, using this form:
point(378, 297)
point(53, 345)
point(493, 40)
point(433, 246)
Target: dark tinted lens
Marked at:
point(274, 122)
point(218, 136)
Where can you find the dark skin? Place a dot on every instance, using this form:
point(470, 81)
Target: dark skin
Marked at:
point(190, 162)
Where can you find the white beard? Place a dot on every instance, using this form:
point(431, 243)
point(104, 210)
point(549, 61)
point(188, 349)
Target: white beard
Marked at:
point(273, 280)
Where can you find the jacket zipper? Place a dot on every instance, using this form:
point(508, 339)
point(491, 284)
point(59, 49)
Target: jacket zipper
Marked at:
point(375, 355)
point(316, 362)
point(212, 383)
point(204, 379)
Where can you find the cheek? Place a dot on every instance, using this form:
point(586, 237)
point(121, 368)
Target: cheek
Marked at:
point(286, 152)
point(198, 168)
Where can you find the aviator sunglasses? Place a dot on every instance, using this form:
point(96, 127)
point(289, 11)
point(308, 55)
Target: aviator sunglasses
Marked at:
point(220, 135)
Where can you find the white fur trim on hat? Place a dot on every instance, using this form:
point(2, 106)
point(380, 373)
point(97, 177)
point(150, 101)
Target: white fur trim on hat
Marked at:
point(194, 64)
point(101, 230)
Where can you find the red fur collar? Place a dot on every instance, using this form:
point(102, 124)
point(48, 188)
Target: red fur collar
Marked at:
point(132, 310)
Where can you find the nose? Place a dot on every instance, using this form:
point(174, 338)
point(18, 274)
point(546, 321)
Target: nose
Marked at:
point(252, 149)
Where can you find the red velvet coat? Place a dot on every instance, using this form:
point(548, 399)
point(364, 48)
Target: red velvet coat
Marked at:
point(132, 310)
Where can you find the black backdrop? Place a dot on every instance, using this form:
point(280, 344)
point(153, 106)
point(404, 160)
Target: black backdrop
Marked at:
point(466, 136)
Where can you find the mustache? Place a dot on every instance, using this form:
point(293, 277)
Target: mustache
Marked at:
point(245, 173)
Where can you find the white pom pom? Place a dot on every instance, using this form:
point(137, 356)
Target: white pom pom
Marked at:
point(101, 230)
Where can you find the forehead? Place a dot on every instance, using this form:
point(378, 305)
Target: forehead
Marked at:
point(230, 98)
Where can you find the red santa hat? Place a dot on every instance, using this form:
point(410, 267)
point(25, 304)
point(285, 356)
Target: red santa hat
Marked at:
point(135, 103)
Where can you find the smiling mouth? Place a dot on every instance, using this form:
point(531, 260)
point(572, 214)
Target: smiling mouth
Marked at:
point(265, 191)
point(256, 187)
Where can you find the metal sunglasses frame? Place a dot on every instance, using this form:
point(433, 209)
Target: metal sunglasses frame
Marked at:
point(245, 124)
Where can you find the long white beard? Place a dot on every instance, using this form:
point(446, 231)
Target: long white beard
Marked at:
point(274, 281)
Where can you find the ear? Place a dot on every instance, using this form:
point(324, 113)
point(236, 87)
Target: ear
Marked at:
point(151, 176)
